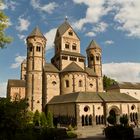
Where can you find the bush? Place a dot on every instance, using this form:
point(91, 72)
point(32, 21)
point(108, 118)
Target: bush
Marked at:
point(119, 132)
point(111, 120)
point(124, 120)
point(71, 134)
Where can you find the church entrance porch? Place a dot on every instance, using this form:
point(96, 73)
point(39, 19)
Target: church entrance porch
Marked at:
point(114, 111)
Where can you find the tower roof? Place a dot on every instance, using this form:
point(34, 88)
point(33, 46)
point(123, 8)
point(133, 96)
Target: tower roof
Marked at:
point(36, 32)
point(93, 45)
point(64, 27)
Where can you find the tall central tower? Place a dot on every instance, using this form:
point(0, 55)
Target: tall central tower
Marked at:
point(36, 43)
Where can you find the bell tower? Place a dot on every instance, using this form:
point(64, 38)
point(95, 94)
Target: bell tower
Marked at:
point(94, 53)
point(36, 43)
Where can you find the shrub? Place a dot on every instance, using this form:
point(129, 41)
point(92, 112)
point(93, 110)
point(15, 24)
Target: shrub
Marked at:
point(124, 120)
point(119, 132)
point(111, 120)
point(71, 134)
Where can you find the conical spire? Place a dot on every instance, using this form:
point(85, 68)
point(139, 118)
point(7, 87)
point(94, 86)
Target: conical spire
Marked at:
point(93, 45)
point(36, 32)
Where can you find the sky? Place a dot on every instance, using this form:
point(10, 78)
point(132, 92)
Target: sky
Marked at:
point(113, 24)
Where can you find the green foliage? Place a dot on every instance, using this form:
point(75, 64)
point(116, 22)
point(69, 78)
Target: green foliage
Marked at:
point(124, 120)
point(3, 25)
point(111, 120)
point(107, 82)
point(71, 134)
point(36, 118)
point(12, 117)
point(119, 132)
point(43, 120)
point(49, 119)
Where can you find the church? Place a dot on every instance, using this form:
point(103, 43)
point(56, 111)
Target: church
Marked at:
point(71, 90)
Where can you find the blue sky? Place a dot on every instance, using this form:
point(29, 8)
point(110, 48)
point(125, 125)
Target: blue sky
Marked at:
point(114, 24)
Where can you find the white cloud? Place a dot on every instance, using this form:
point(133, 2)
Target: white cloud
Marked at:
point(109, 42)
point(23, 24)
point(125, 71)
point(8, 4)
point(90, 34)
point(100, 27)
point(18, 61)
point(3, 88)
point(125, 14)
point(48, 8)
point(22, 37)
point(128, 16)
point(95, 10)
point(3, 6)
point(50, 35)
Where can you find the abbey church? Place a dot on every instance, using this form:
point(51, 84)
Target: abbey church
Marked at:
point(70, 89)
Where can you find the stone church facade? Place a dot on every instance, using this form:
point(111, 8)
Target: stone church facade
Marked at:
point(72, 91)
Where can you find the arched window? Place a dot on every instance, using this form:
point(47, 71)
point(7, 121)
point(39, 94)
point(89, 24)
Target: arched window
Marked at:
point(86, 120)
point(91, 85)
point(74, 46)
point(38, 48)
point(67, 83)
point(31, 48)
point(90, 119)
point(80, 83)
point(97, 58)
point(54, 83)
point(67, 45)
point(83, 120)
point(70, 33)
point(91, 57)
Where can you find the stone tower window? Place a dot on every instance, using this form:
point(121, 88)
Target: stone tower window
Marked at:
point(54, 83)
point(67, 83)
point(70, 33)
point(91, 57)
point(91, 85)
point(97, 58)
point(74, 46)
point(67, 45)
point(31, 49)
point(38, 48)
point(80, 83)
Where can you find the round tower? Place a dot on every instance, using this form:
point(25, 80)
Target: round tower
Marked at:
point(36, 43)
point(94, 57)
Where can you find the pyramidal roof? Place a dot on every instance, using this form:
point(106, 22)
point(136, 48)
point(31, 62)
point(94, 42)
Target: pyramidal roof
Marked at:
point(64, 27)
point(36, 32)
point(93, 45)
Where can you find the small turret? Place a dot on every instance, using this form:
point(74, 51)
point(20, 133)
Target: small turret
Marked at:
point(94, 57)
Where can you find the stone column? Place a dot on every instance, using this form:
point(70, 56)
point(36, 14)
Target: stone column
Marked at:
point(77, 116)
point(93, 118)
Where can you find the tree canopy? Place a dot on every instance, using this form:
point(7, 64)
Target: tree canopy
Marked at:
point(107, 82)
point(4, 39)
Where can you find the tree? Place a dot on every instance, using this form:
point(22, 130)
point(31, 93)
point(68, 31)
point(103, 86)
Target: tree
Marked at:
point(43, 120)
point(36, 118)
point(107, 82)
point(4, 39)
point(49, 119)
point(12, 117)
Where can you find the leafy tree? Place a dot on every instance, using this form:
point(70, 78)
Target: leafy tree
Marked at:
point(12, 117)
point(49, 119)
point(43, 120)
point(3, 25)
point(36, 118)
point(107, 82)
